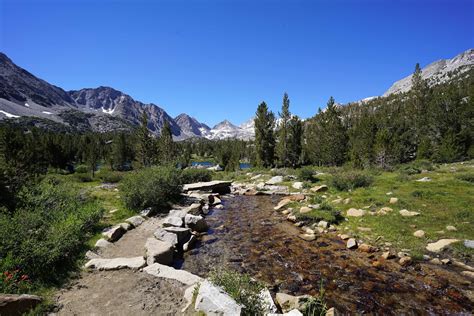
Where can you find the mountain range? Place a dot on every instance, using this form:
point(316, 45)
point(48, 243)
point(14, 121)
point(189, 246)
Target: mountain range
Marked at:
point(102, 109)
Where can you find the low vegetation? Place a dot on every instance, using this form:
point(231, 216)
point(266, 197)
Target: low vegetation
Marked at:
point(350, 180)
point(242, 288)
point(43, 238)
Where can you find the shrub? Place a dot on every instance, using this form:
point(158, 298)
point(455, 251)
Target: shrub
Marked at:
point(152, 187)
point(241, 288)
point(307, 174)
point(195, 175)
point(83, 177)
point(108, 176)
point(469, 177)
point(44, 236)
point(325, 212)
point(82, 169)
point(345, 181)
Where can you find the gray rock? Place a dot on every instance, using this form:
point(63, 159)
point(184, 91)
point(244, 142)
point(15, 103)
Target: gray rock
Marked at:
point(91, 255)
point(147, 212)
point(214, 186)
point(355, 212)
point(196, 223)
point(158, 251)
point(14, 304)
point(268, 304)
point(136, 220)
point(212, 300)
point(163, 271)
point(194, 208)
point(102, 243)
point(424, 179)
point(126, 226)
point(114, 233)
point(164, 235)
point(406, 213)
point(469, 243)
point(440, 244)
point(116, 263)
point(351, 243)
point(172, 221)
point(297, 185)
point(178, 213)
point(183, 234)
point(323, 224)
point(288, 302)
point(275, 180)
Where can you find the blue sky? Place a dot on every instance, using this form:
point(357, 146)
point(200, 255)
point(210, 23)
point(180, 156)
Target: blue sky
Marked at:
point(220, 59)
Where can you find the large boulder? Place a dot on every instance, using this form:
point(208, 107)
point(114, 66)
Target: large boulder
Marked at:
point(275, 180)
point(172, 221)
point(178, 213)
point(297, 185)
point(212, 300)
point(116, 263)
point(13, 304)
point(113, 233)
point(440, 244)
point(164, 235)
point(182, 233)
point(158, 251)
point(163, 271)
point(196, 223)
point(222, 187)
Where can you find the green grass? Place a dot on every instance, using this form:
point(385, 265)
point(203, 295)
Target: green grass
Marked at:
point(447, 200)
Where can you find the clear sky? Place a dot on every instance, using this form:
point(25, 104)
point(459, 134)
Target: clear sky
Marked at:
point(218, 59)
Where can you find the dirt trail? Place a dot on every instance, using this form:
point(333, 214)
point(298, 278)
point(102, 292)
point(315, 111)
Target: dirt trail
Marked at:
point(122, 292)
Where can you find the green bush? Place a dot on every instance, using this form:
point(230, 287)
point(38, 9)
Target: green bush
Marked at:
point(350, 180)
point(325, 212)
point(307, 174)
point(44, 236)
point(82, 169)
point(195, 175)
point(241, 288)
point(469, 177)
point(107, 176)
point(83, 177)
point(316, 306)
point(152, 187)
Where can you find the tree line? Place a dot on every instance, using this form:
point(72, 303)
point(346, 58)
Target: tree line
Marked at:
point(434, 123)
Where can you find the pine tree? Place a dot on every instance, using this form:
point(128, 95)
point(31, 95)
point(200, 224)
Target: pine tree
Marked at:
point(264, 137)
point(283, 138)
point(295, 137)
point(145, 146)
point(121, 154)
point(166, 146)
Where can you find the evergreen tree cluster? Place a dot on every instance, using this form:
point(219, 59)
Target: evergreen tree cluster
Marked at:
point(434, 123)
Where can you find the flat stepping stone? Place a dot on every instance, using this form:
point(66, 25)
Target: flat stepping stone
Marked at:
point(114, 233)
point(172, 221)
point(164, 235)
point(102, 243)
point(162, 271)
point(353, 212)
point(214, 186)
point(212, 300)
point(116, 263)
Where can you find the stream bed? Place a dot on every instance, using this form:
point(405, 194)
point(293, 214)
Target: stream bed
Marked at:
point(247, 235)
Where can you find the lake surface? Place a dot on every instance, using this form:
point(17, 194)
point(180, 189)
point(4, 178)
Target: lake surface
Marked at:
point(249, 236)
point(207, 164)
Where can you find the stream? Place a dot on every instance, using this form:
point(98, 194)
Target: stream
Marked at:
point(249, 236)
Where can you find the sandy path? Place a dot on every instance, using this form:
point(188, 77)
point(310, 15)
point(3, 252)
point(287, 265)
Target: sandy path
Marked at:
point(122, 292)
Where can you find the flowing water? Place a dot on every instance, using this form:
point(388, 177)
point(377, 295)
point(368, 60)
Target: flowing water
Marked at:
point(249, 236)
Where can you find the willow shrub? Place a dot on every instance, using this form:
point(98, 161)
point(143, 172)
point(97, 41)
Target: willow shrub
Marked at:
point(154, 187)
